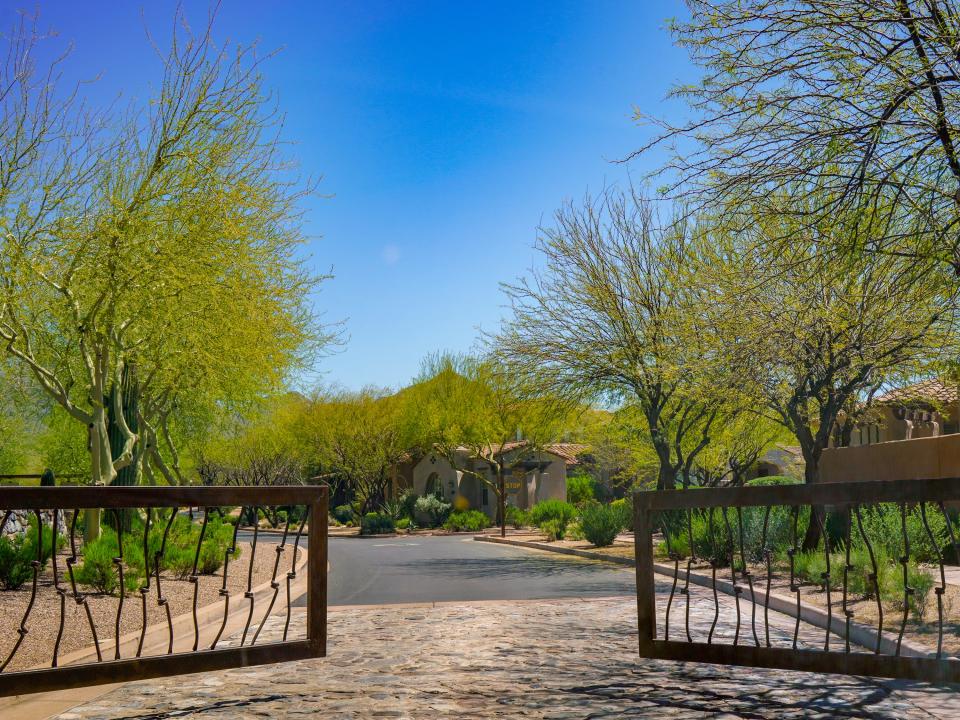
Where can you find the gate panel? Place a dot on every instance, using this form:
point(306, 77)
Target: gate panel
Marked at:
point(724, 557)
point(232, 633)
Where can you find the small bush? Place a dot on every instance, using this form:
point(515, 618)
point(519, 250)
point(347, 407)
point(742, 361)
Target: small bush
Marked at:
point(574, 531)
point(516, 517)
point(17, 554)
point(394, 508)
point(404, 523)
point(376, 524)
point(625, 506)
point(883, 526)
point(580, 489)
point(435, 509)
point(408, 499)
point(343, 514)
point(216, 542)
point(467, 521)
point(553, 529)
point(98, 569)
point(562, 512)
point(601, 523)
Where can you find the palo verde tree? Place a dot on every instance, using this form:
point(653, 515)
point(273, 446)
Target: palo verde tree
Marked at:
point(477, 407)
point(356, 439)
point(856, 102)
point(161, 244)
point(605, 320)
point(816, 333)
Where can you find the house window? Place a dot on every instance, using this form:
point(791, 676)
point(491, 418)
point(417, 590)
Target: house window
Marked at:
point(486, 497)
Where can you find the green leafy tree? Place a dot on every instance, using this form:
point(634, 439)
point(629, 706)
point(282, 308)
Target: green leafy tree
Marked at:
point(815, 333)
point(606, 319)
point(163, 240)
point(857, 103)
point(474, 407)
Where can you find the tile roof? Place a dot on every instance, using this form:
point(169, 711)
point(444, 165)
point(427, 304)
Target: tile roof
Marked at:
point(933, 389)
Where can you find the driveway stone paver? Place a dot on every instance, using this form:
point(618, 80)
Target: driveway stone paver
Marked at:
point(553, 659)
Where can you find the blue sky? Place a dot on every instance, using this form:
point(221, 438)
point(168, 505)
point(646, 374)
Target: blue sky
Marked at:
point(445, 132)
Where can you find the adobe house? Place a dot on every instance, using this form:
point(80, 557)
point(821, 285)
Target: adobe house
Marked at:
point(531, 475)
point(924, 409)
point(912, 434)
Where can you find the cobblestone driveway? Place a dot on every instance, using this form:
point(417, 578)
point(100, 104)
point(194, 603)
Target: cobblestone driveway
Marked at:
point(533, 659)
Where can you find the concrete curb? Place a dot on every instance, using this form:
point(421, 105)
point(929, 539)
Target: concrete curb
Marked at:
point(859, 634)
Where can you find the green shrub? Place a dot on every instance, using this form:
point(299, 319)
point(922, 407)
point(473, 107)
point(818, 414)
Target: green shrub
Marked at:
point(625, 505)
point(553, 529)
point(516, 517)
point(574, 531)
point(16, 558)
point(216, 541)
point(883, 526)
point(467, 520)
point(580, 488)
point(343, 513)
point(404, 523)
point(18, 552)
point(408, 499)
point(394, 508)
point(435, 509)
point(601, 523)
point(547, 510)
point(374, 523)
point(98, 570)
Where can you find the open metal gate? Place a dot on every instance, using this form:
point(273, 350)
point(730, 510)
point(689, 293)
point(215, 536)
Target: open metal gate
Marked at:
point(846, 645)
point(189, 639)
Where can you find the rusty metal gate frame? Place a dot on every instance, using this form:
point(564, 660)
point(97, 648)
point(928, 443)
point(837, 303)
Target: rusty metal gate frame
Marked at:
point(844, 496)
point(176, 663)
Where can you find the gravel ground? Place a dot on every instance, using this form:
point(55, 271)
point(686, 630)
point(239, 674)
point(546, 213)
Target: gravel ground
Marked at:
point(44, 619)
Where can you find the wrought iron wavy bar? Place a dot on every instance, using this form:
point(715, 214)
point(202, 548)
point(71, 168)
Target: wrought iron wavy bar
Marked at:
point(825, 576)
point(145, 587)
point(847, 567)
point(737, 589)
point(791, 554)
point(249, 591)
point(224, 593)
point(938, 591)
point(748, 576)
point(766, 557)
point(904, 563)
point(158, 556)
point(292, 574)
point(676, 571)
point(78, 597)
point(61, 591)
point(118, 561)
point(713, 577)
point(685, 590)
point(274, 585)
point(873, 576)
point(195, 579)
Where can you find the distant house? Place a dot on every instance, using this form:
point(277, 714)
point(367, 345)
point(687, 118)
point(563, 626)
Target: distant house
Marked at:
point(531, 475)
point(924, 409)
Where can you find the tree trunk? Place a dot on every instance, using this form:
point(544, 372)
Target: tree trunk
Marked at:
point(811, 475)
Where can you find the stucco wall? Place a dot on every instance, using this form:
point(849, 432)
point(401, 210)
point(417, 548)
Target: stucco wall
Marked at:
point(919, 458)
point(425, 468)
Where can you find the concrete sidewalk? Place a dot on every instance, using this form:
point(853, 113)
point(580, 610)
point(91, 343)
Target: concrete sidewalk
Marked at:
point(570, 658)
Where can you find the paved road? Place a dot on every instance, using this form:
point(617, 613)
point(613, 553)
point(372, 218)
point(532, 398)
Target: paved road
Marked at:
point(369, 571)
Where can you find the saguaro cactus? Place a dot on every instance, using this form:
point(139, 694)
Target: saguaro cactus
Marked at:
point(129, 391)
